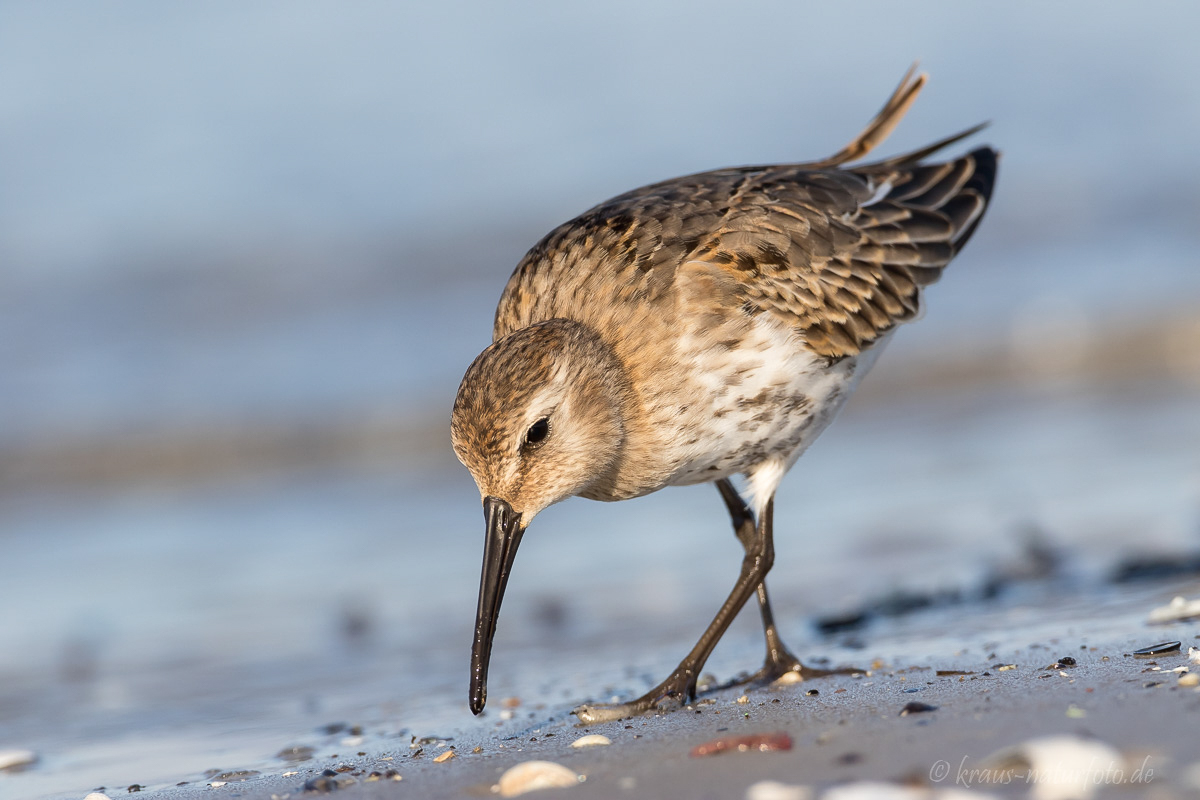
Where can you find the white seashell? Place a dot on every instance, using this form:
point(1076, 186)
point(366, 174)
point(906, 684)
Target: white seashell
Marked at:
point(774, 790)
point(1177, 610)
point(13, 759)
point(877, 790)
point(529, 776)
point(591, 740)
point(1066, 767)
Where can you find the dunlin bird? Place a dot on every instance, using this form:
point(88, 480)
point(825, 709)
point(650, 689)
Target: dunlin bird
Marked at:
point(698, 329)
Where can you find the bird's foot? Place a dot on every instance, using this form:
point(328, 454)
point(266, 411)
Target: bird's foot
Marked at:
point(667, 696)
point(781, 665)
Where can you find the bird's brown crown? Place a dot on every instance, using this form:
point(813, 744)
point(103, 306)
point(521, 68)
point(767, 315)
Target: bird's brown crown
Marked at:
point(540, 415)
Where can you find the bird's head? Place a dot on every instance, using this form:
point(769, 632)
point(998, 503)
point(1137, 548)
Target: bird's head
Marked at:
point(539, 418)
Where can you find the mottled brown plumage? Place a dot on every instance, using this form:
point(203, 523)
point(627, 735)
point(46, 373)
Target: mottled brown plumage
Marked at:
point(802, 241)
point(700, 328)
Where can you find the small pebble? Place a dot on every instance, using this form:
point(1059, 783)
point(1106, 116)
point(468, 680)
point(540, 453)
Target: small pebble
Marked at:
point(743, 700)
point(440, 741)
point(298, 753)
point(591, 740)
point(236, 775)
point(216, 784)
point(529, 776)
point(1189, 679)
point(321, 784)
point(446, 756)
point(97, 796)
point(1005, 667)
point(812, 693)
point(328, 781)
point(16, 759)
point(916, 707)
point(352, 741)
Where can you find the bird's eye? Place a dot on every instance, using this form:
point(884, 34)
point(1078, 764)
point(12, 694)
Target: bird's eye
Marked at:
point(538, 432)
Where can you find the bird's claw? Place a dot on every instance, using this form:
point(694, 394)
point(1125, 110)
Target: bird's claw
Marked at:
point(667, 696)
point(774, 670)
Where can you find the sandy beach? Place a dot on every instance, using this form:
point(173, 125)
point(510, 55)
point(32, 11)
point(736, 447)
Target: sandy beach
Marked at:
point(989, 690)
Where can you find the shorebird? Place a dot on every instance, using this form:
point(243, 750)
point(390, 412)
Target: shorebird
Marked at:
point(699, 329)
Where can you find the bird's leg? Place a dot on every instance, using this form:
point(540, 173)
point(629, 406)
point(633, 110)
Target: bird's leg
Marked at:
point(680, 686)
point(779, 660)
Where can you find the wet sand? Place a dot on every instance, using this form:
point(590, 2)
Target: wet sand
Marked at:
point(844, 728)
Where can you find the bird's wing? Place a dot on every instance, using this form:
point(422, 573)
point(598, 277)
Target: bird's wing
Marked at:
point(842, 254)
point(838, 252)
point(624, 250)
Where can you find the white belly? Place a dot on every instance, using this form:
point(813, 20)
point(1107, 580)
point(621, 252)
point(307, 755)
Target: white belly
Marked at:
point(762, 404)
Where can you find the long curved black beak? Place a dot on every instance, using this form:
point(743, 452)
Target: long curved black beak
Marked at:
point(504, 532)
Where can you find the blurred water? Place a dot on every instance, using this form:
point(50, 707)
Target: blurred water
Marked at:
point(225, 221)
point(135, 130)
point(253, 211)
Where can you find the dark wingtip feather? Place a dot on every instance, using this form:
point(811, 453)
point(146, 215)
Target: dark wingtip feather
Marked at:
point(981, 182)
point(986, 162)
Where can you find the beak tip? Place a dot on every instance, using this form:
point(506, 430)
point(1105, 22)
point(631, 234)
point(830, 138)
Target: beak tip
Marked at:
point(503, 537)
